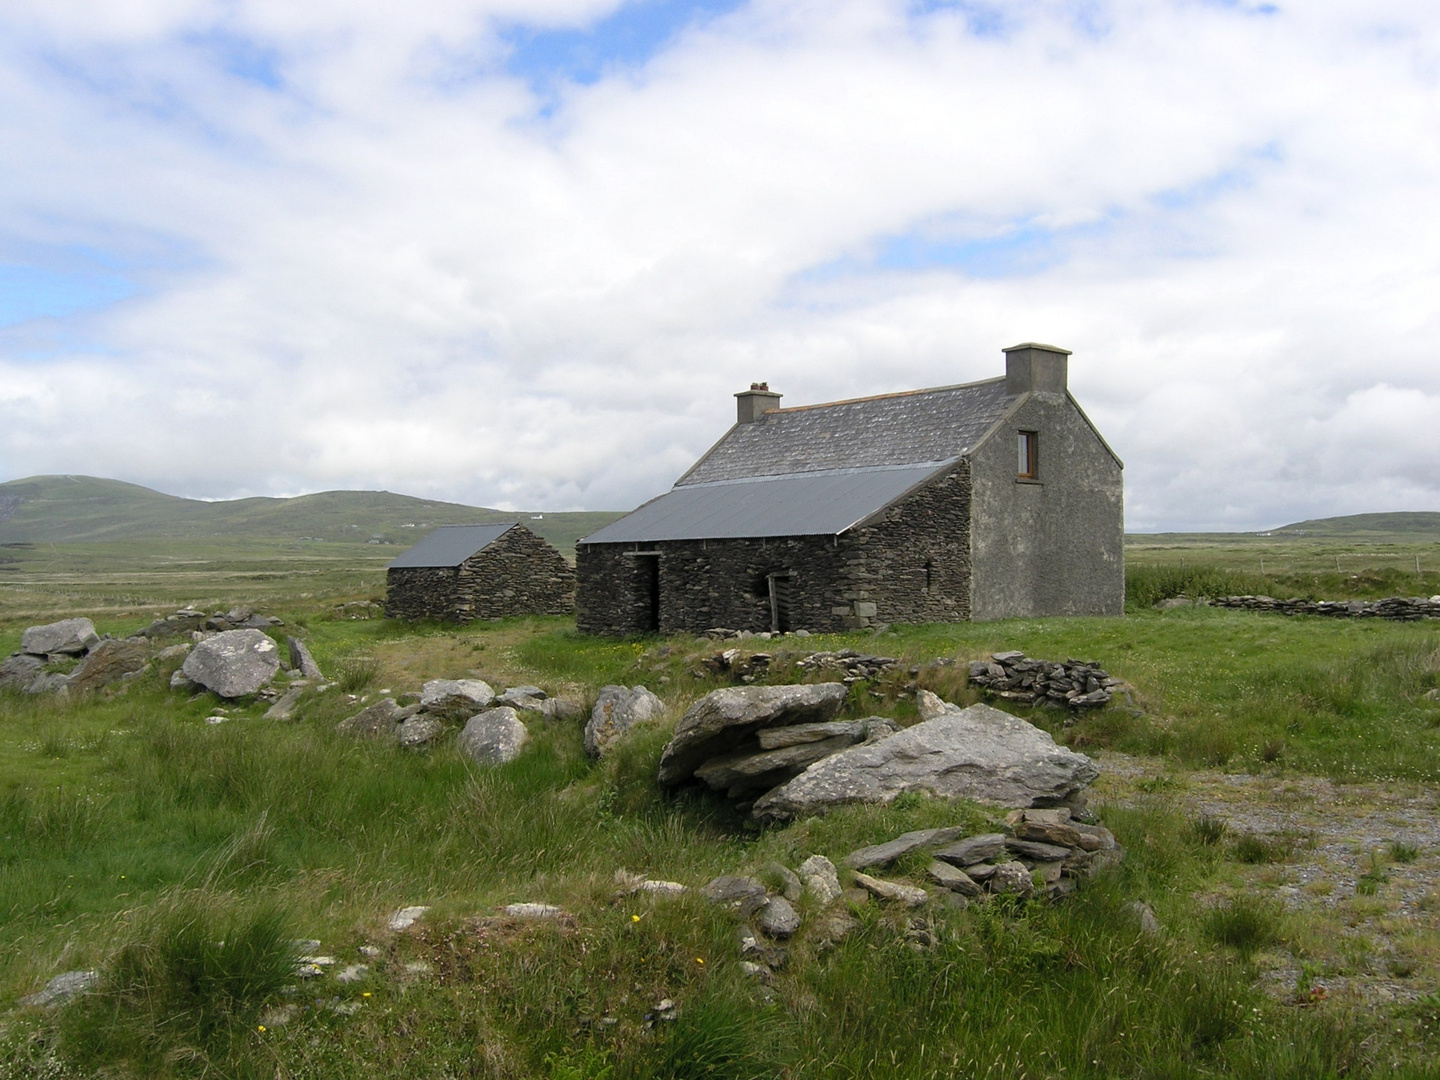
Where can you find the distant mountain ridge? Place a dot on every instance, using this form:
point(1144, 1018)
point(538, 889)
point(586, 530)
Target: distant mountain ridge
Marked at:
point(1415, 524)
point(81, 509)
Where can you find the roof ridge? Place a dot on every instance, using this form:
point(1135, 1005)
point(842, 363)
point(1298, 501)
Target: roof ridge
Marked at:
point(882, 397)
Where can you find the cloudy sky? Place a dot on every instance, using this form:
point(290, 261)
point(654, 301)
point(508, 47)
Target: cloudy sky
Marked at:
point(521, 253)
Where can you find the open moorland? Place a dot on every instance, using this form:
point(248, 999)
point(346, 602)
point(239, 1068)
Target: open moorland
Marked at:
point(1275, 783)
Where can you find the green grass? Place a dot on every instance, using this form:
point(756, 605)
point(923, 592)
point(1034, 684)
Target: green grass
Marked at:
point(181, 859)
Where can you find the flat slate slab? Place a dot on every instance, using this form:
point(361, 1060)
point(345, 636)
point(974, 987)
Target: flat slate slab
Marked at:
point(888, 852)
point(976, 753)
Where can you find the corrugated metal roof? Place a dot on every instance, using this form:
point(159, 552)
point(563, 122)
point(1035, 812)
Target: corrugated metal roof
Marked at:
point(804, 504)
point(894, 429)
point(450, 545)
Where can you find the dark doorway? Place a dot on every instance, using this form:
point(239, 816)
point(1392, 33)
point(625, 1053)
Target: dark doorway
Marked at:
point(779, 602)
point(647, 591)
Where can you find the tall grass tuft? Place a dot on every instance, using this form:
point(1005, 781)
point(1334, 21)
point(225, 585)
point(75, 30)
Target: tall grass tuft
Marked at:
point(356, 673)
point(1247, 924)
point(194, 974)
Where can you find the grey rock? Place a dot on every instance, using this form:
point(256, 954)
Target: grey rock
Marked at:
point(406, 917)
point(977, 753)
point(975, 849)
point(755, 971)
point(62, 988)
point(301, 660)
point(1145, 918)
point(522, 697)
point(836, 924)
point(559, 708)
point(1030, 849)
point(888, 852)
point(818, 874)
point(909, 895)
point(1173, 602)
point(494, 737)
point(233, 663)
point(52, 681)
point(661, 888)
point(952, 878)
point(353, 973)
point(778, 918)
point(419, 731)
point(776, 738)
point(1049, 871)
point(1011, 879)
point(617, 710)
point(981, 872)
point(68, 637)
point(1060, 834)
point(742, 894)
point(1095, 837)
point(533, 911)
point(109, 662)
point(456, 699)
point(173, 652)
point(724, 719)
point(284, 708)
point(180, 681)
point(381, 718)
point(19, 672)
point(746, 770)
point(790, 885)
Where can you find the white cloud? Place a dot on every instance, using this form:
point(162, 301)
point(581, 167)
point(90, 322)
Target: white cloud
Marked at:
point(401, 266)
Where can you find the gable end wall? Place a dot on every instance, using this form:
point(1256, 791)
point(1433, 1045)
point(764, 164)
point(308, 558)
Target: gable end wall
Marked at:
point(517, 574)
point(1055, 547)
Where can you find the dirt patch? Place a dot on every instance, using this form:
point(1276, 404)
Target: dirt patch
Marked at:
point(1356, 867)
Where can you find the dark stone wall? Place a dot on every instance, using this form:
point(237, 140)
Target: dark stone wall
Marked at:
point(910, 564)
point(1054, 545)
point(518, 574)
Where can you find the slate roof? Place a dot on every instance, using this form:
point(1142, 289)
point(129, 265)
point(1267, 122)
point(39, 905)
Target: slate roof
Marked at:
point(893, 429)
point(450, 545)
point(816, 470)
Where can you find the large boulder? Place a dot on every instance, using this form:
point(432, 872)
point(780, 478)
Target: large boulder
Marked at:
point(70, 637)
point(381, 718)
point(723, 720)
point(21, 672)
point(494, 737)
point(457, 699)
point(109, 662)
point(975, 753)
point(233, 663)
point(617, 710)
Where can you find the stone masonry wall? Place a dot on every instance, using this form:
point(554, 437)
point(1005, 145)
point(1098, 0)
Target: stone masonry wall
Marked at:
point(518, 574)
point(912, 566)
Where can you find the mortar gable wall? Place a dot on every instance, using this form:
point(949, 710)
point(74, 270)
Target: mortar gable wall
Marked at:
point(1055, 547)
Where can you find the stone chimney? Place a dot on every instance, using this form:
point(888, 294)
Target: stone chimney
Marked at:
point(751, 404)
point(1035, 368)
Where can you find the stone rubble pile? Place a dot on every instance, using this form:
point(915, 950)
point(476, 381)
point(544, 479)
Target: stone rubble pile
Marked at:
point(720, 633)
point(486, 726)
point(1397, 608)
point(101, 661)
point(746, 740)
point(779, 752)
point(854, 666)
point(1075, 684)
point(733, 662)
point(189, 620)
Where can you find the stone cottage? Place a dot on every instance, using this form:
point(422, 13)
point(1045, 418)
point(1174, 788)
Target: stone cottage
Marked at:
point(464, 572)
point(988, 500)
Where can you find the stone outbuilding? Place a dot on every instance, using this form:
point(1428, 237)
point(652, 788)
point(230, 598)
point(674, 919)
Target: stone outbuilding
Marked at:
point(988, 500)
point(464, 572)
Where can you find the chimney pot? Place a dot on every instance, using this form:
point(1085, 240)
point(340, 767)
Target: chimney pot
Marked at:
point(1035, 368)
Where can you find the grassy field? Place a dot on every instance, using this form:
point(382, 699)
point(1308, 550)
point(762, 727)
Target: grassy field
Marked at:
point(182, 858)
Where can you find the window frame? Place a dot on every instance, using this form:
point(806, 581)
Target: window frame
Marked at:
point(1027, 460)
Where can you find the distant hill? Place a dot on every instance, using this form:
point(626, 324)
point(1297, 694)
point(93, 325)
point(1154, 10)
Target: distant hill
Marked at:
point(1416, 525)
point(78, 509)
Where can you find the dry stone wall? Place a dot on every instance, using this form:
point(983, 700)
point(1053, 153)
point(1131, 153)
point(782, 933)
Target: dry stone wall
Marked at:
point(1399, 608)
point(518, 574)
point(913, 565)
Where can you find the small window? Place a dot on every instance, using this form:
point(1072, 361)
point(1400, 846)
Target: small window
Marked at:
point(1029, 446)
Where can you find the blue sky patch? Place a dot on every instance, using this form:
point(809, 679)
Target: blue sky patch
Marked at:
point(240, 56)
point(83, 282)
point(981, 19)
point(627, 37)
